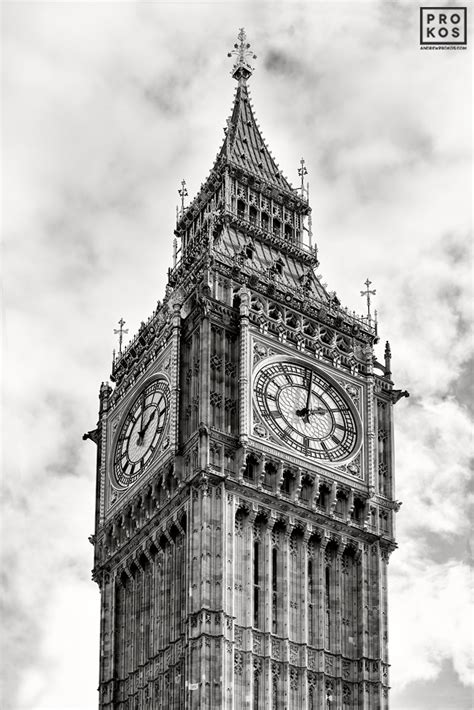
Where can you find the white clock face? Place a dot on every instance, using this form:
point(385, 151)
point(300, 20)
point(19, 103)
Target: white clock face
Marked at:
point(306, 411)
point(142, 432)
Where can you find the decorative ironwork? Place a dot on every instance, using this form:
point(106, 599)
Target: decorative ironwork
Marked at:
point(242, 69)
point(368, 293)
point(183, 193)
point(120, 332)
point(302, 172)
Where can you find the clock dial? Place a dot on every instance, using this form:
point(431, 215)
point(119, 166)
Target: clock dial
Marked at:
point(142, 432)
point(306, 411)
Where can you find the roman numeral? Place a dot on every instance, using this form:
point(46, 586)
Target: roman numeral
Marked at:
point(286, 375)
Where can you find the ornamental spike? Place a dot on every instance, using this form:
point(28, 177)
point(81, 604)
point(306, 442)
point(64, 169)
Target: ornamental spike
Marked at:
point(242, 68)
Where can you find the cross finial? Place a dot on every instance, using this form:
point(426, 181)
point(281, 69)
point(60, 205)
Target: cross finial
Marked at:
point(120, 331)
point(302, 172)
point(242, 68)
point(183, 193)
point(368, 293)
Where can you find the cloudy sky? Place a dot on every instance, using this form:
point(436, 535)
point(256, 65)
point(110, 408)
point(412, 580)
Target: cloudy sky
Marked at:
point(107, 107)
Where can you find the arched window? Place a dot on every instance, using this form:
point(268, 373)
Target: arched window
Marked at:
point(270, 474)
point(250, 470)
point(341, 504)
point(306, 490)
point(287, 482)
point(357, 514)
point(323, 498)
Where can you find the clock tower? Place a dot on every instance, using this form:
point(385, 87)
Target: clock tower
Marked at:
point(245, 502)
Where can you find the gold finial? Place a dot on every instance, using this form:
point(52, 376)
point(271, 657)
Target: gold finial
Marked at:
point(242, 68)
point(183, 193)
point(120, 331)
point(368, 293)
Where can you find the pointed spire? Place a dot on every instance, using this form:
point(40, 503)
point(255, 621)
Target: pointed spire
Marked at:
point(388, 360)
point(242, 69)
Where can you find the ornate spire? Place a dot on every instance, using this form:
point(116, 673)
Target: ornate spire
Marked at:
point(242, 69)
point(368, 293)
point(120, 332)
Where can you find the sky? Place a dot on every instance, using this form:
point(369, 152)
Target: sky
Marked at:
point(106, 108)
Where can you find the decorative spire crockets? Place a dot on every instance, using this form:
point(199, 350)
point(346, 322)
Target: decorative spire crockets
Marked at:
point(242, 69)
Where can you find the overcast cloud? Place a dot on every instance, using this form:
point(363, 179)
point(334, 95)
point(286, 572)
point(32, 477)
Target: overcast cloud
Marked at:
point(107, 106)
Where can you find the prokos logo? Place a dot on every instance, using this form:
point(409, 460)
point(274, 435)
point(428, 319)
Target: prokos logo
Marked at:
point(443, 25)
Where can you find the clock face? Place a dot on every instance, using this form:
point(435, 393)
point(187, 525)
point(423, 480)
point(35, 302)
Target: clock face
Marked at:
point(141, 432)
point(306, 411)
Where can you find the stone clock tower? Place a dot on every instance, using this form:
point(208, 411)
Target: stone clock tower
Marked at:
point(245, 502)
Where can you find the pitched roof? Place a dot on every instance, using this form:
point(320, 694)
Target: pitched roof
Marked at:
point(244, 145)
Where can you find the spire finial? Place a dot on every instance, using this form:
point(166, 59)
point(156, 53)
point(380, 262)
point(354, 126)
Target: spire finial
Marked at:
point(368, 293)
point(242, 68)
point(120, 331)
point(302, 172)
point(183, 193)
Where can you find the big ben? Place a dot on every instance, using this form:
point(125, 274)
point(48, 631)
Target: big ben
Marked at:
point(245, 499)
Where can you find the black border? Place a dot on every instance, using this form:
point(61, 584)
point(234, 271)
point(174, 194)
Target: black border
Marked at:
point(439, 7)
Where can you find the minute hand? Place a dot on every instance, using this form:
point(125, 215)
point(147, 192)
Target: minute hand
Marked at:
point(152, 416)
point(305, 412)
point(142, 432)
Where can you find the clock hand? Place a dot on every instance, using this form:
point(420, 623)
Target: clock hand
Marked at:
point(305, 411)
point(319, 410)
point(142, 410)
point(142, 432)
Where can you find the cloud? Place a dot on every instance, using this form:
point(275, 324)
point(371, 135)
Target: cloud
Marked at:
point(430, 608)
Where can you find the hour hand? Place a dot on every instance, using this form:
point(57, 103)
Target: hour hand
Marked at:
point(304, 413)
point(142, 432)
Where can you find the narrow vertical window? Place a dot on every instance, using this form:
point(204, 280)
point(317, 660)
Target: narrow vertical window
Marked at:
point(274, 590)
point(328, 607)
point(311, 629)
point(256, 585)
point(256, 689)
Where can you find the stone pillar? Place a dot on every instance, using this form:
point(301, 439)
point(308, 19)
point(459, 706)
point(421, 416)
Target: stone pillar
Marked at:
point(244, 375)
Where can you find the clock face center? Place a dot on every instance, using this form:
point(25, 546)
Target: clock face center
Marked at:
point(317, 423)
